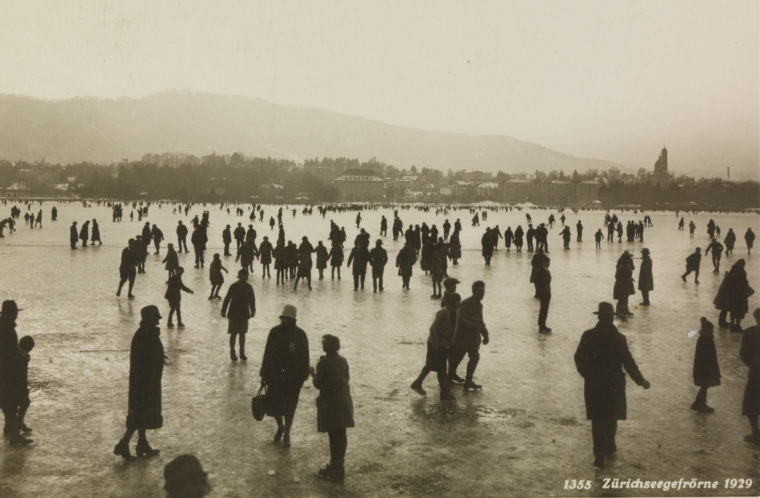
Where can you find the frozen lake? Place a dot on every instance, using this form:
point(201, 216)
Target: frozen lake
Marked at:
point(525, 434)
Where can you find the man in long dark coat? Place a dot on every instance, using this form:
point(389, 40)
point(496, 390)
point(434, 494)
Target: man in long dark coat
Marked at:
point(359, 256)
point(646, 282)
point(9, 383)
point(146, 367)
point(378, 257)
point(750, 355)
point(405, 260)
point(73, 235)
point(542, 280)
point(241, 302)
point(600, 358)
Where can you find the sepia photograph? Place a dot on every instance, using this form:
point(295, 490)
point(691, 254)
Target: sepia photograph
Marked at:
point(511, 243)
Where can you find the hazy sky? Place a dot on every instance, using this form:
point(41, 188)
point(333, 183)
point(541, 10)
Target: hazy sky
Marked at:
point(607, 79)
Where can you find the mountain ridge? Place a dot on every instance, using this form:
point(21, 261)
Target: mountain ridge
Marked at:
point(109, 130)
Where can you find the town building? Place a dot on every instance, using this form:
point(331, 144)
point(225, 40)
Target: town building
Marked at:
point(556, 193)
point(359, 184)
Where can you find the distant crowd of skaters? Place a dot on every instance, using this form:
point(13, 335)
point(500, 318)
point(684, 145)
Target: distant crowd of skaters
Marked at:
point(458, 328)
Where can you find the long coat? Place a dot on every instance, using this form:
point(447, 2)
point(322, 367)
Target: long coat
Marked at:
point(405, 260)
point(646, 282)
point(733, 293)
point(600, 358)
point(623, 279)
point(8, 356)
point(146, 366)
point(706, 370)
point(284, 367)
point(750, 355)
point(335, 408)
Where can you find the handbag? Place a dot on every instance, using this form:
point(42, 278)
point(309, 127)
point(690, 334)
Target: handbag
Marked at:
point(259, 403)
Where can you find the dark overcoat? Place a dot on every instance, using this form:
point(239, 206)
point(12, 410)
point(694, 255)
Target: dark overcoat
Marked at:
point(600, 358)
point(285, 367)
point(335, 409)
point(750, 355)
point(623, 279)
point(733, 293)
point(8, 356)
point(646, 282)
point(146, 366)
point(706, 370)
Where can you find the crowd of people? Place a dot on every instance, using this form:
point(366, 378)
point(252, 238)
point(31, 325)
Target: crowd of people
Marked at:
point(457, 329)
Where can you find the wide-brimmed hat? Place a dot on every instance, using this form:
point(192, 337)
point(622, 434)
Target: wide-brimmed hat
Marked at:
point(243, 273)
point(379, 242)
point(150, 312)
point(9, 307)
point(605, 308)
point(289, 311)
point(450, 281)
point(645, 251)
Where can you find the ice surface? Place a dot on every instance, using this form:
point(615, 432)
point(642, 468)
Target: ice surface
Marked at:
point(523, 435)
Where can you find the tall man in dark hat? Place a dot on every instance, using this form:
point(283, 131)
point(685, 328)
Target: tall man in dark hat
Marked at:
point(10, 357)
point(600, 358)
point(73, 235)
point(467, 336)
point(242, 305)
point(378, 257)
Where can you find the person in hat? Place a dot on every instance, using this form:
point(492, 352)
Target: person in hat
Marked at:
point(239, 306)
point(358, 259)
point(73, 235)
point(184, 477)
point(378, 257)
point(304, 262)
point(706, 370)
point(284, 369)
point(215, 275)
point(467, 336)
point(732, 297)
point(146, 366)
point(692, 265)
point(623, 284)
point(10, 359)
point(749, 352)
point(174, 296)
point(646, 282)
point(600, 358)
point(542, 279)
point(438, 346)
point(321, 253)
point(335, 408)
point(21, 375)
point(450, 288)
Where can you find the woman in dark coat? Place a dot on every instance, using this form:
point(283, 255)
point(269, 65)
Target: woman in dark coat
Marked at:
point(405, 260)
point(321, 251)
point(304, 262)
point(95, 233)
point(284, 369)
point(84, 233)
point(732, 297)
point(706, 370)
point(171, 260)
point(455, 248)
point(623, 284)
point(335, 409)
point(146, 366)
point(336, 259)
point(646, 282)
